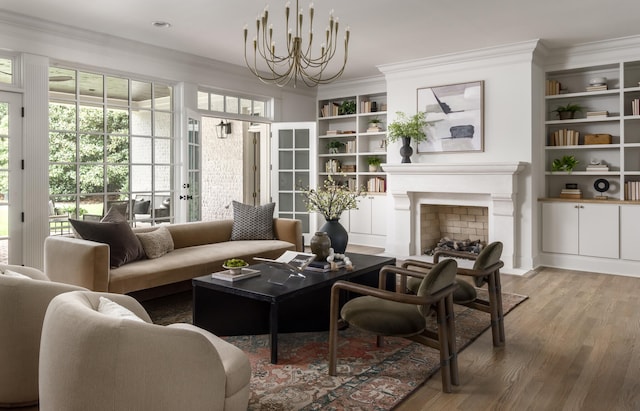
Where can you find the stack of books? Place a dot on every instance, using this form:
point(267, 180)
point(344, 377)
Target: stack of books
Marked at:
point(597, 87)
point(374, 129)
point(597, 114)
point(635, 107)
point(632, 190)
point(553, 87)
point(351, 146)
point(573, 193)
point(376, 185)
point(564, 137)
point(597, 168)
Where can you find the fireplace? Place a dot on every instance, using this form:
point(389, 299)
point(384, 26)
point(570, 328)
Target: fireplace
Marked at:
point(487, 185)
point(453, 222)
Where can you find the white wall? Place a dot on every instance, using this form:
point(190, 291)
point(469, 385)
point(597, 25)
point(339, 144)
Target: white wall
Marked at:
point(508, 124)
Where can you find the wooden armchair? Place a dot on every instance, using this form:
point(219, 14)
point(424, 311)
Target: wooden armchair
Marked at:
point(388, 313)
point(486, 269)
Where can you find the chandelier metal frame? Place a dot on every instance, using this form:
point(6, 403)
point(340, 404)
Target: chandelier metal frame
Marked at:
point(298, 63)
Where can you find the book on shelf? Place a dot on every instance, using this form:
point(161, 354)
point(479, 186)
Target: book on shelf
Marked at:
point(571, 191)
point(292, 260)
point(564, 137)
point(597, 114)
point(374, 129)
point(227, 275)
point(632, 190)
point(597, 88)
point(552, 87)
point(376, 185)
point(351, 146)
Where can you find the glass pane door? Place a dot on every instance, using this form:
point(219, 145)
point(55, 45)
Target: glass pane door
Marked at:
point(191, 189)
point(10, 184)
point(293, 160)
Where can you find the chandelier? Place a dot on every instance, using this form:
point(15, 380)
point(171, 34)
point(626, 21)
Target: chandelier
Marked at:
point(298, 63)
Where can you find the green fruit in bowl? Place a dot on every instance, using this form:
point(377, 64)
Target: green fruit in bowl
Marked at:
point(235, 262)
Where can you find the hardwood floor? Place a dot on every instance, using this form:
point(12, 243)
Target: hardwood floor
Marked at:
point(573, 345)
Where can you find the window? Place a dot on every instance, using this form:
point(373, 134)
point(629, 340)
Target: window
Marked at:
point(6, 70)
point(235, 105)
point(110, 145)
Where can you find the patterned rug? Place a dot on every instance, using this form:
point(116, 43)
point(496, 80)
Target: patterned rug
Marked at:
point(369, 377)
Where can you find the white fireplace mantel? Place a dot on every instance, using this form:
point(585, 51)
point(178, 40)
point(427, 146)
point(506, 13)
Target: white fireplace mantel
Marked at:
point(492, 185)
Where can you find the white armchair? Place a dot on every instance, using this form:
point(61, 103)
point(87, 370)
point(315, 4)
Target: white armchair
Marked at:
point(90, 360)
point(23, 303)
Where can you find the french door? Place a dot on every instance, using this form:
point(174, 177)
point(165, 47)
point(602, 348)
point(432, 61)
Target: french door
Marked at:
point(191, 190)
point(10, 178)
point(294, 167)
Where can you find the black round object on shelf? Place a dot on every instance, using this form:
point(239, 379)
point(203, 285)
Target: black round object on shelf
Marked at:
point(601, 185)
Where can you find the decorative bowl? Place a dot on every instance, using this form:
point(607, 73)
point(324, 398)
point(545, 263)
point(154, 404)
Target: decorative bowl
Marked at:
point(598, 81)
point(235, 265)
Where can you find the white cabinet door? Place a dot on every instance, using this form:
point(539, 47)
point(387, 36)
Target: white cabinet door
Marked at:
point(599, 230)
point(379, 215)
point(630, 232)
point(360, 219)
point(560, 228)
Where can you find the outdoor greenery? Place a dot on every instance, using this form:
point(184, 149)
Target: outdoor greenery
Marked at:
point(90, 150)
point(331, 200)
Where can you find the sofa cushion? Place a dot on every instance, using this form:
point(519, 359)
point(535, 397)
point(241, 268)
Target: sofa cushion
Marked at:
point(252, 222)
point(124, 246)
point(156, 243)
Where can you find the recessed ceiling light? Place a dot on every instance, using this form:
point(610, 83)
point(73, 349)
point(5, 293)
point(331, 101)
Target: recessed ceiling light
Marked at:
point(161, 24)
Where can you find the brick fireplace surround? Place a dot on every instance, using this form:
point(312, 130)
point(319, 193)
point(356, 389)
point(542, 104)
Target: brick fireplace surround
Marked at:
point(490, 185)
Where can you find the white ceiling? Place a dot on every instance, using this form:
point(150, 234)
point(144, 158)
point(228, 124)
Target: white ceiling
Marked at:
point(382, 31)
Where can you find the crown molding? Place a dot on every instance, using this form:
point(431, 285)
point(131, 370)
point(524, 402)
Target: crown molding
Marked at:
point(519, 51)
point(598, 52)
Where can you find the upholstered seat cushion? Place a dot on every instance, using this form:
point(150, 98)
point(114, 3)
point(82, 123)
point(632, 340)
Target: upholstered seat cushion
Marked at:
point(383, 317)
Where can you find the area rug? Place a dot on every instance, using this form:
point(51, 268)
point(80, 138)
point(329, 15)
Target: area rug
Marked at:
point(369, 377)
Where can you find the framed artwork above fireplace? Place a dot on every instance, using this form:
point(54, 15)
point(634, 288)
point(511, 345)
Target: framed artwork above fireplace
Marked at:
point(455, 116)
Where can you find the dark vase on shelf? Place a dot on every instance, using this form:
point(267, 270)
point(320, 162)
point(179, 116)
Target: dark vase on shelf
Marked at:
point(337, 234)
point(320, 244)
point(406, 151)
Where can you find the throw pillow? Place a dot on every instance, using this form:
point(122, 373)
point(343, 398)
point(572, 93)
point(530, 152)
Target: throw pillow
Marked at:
point(10, 273)
point(251, 222)
point(112, 309)
point(156, 243)
point(124, 246)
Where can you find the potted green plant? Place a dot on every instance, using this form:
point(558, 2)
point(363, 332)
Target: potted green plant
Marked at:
point(374, 163)
point(334, 146)
point(568, 112)
point(347, 107)
point(565, 163)
point(374, 124)
point(407, 128)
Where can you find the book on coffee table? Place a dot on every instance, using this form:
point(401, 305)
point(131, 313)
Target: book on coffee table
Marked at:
point(293, 260)
point(227, 275)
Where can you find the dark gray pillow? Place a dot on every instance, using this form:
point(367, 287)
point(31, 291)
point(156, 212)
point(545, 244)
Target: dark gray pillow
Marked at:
point(124, 246)
point(251, 222)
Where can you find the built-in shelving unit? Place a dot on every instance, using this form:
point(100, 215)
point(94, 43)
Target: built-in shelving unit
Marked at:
point(349, 164)
point(593, 232)
point(622, 155)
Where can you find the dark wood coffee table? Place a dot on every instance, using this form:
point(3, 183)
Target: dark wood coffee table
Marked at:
point(259, 305)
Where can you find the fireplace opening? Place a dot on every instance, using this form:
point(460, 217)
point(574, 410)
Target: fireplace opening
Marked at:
point(453, 227)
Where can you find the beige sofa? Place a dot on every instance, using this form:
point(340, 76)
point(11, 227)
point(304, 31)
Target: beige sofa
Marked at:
point(200, 248)
point(92, 360)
